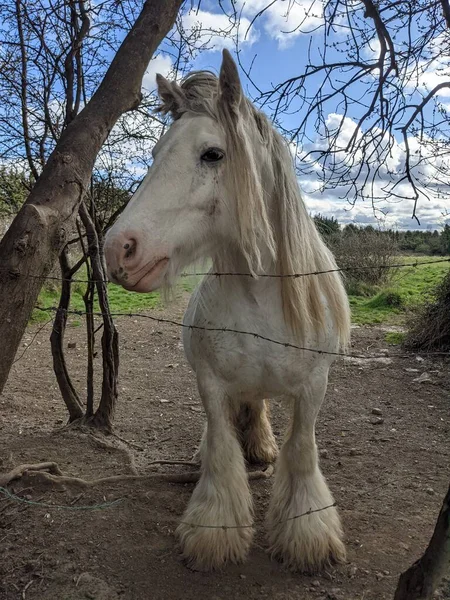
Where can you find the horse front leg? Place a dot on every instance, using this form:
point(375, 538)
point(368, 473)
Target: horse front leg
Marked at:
point(309, 542)
point(216, 527)
point(252, 423)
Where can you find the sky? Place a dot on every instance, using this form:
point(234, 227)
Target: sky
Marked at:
point(277, 48)
point(276, 57)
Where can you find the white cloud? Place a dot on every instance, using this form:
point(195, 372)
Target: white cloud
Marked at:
point(160, 64)
point(395, 215)
point(433, 70)
point(215, 31)
point(393, 205)
point(285, 20)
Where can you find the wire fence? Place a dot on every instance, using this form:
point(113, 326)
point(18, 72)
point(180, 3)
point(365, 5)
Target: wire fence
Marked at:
point(15, 273)
point(252, 334)
point(225, 330)
point(118, 501)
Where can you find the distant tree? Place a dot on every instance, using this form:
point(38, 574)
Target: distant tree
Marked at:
point(326, 225)
point(14, 189)
point(445, 236)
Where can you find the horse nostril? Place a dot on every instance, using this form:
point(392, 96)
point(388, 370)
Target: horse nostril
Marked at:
point(130, 248)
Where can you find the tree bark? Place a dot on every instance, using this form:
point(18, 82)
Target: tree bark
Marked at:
point(38, 233)
point(110, 339)
point(421, 580)
point(68, 392)
point(88, 298)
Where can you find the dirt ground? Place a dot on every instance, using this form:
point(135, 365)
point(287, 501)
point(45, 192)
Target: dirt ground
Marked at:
point(388, 469)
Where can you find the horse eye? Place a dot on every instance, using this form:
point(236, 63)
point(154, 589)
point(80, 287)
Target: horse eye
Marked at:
point(212, 155)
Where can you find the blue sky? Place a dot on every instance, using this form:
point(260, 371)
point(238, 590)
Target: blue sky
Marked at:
point(279, 56)
point(276, 56)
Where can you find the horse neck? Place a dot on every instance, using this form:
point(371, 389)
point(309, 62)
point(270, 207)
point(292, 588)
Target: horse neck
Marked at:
point(232, 260)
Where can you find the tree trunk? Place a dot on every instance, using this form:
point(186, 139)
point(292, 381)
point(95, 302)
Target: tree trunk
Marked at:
point(88, 298)
point(110, 339)
point(38, 233)
point(421, 580)
point(66, 387)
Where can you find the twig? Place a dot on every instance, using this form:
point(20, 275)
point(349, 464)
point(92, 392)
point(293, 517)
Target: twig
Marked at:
point(24, 591)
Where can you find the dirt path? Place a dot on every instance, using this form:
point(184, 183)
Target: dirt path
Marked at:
point(388, 472)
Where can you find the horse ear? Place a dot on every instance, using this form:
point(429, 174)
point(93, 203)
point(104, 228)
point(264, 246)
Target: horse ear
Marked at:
point(171, 95)
point(229, 83)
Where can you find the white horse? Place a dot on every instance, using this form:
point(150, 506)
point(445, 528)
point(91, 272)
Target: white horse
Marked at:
point(222, 185)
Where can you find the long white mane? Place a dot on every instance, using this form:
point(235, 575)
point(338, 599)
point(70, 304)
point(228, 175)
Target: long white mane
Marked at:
point(288, 232)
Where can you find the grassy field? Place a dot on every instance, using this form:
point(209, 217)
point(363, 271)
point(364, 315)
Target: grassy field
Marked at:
point(120, 300)
point(408, 287)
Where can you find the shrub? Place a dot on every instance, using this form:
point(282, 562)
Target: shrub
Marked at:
point(386, 299)
point(359, 288)
point(423, 249)
point(367, 253)
point(429, 328)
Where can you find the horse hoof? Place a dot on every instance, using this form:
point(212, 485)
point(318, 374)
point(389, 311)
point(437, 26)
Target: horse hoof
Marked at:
point(310, 543)
point(205, 549)
point(311, 557)
point(257, 454)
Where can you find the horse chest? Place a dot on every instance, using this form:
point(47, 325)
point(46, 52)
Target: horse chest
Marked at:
point(248, 363)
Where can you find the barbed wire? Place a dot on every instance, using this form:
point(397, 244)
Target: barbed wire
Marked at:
point(310, 511)
point(15, 273)
point(235, 331)
point(55, 309)
point(38, 504)
point(225, 527)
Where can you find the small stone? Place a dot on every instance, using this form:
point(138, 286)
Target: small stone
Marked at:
point(352, 571)
point(354, 452)
point(419, 359)
point(404, 546)
point(430, 491)
point(411, 370)
point(379, 576)
point(164, 401)
point(242, 576)
point(315, 583)
point(72, 345)
point(422, 378)
point(387, 573)
point(377, 421)
point(324, 453)
point(377, 411)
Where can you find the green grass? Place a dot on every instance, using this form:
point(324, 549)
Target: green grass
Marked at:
point(394, 338)
point(409, 287)
point(120, 299)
